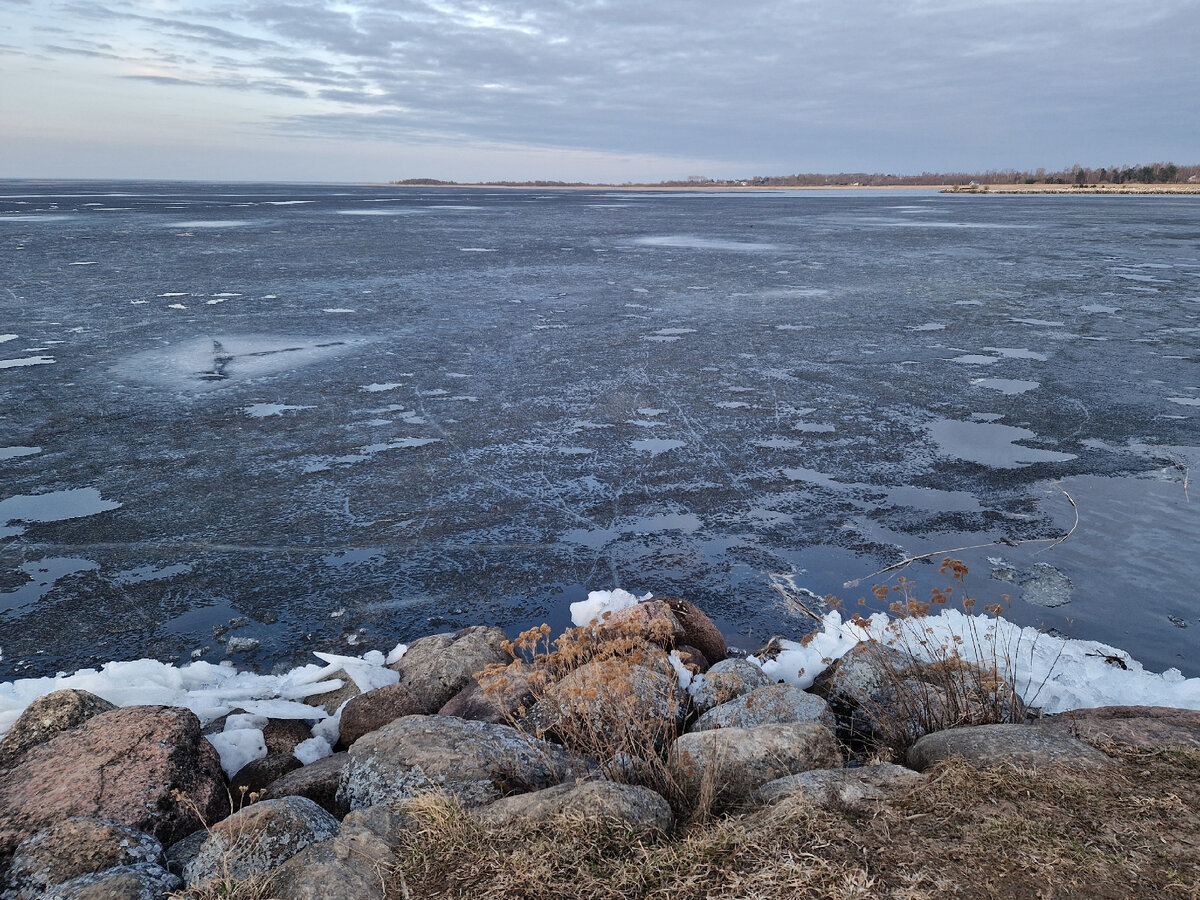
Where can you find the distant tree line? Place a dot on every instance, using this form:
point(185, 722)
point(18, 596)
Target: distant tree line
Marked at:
point(1154, 173)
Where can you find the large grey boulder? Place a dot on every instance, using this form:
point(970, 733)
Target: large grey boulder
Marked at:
point(259, 838)
point(838, 787)
point(633, 807)
point(148, 767)
point(354, 864)
point(74, 847)
point(139, 881)
point(724, 765)
point(437, 667)
point(1149, 727)
point(47, 716)
point(885, 696)
point(766, 705)
point(725, 681)
point(1027, 746)
point(477, 761)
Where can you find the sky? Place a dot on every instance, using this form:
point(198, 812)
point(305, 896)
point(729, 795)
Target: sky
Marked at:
point(591, 90)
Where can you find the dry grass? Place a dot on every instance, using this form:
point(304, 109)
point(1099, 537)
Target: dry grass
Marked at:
point(965, 832)
point(605, 690)
point(958, 682)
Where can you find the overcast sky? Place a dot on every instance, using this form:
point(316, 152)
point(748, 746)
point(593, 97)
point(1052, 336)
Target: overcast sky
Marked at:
point(607, 90)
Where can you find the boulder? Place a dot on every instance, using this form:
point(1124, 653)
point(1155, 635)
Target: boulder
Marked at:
point(1027, 746)
point(352, 865)
point(282, 735)
point(74, 847)
point(477, 761)
point(140, 881)
point(317, 781)
point(633, 807)
point(693, 660)
point(885, 696)
point(330, 701)
point(498, 696)
point(437, 667)
point(376, 708)
point(726, 764)
point(765, 705)
point(181, 853)
point(148, 767)
point(698, 629)
point(612, 705)
point(725, 681)
point(838, 787)
point(47, 716)
point(650, 621)
point(1148, 727)
point(258, 774)
point(258, 839)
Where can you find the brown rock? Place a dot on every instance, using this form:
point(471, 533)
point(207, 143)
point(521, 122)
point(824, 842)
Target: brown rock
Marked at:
point(437, 667)
point(495, 697)
point(317, 781)
point(122, 766)
point(376, 708)
point(47, 716)
point(75, 847)
point(992, 745)
point(258, 774)
point(601, 704)
point(693, 659)
point(331, 700)
point(282, 735)
point(698, 629)
point(1150, 727)
point(651, 620)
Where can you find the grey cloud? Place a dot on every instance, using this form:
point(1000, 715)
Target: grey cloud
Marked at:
point(789, 79)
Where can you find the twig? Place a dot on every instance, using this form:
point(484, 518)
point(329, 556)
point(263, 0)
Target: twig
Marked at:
point(1070, 500)
point(912, 559)
point(791, 600)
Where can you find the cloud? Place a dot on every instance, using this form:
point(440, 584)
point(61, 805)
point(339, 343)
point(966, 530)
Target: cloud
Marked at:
point(785, 83)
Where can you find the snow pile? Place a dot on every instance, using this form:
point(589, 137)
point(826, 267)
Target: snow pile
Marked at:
point(208, 690)
point(1051, 673)
point(600, 602)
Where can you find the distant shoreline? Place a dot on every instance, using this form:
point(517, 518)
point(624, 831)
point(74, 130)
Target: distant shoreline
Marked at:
point(1082, 189)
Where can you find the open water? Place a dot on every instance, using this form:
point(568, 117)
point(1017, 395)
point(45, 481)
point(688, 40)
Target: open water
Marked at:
point(336, 417)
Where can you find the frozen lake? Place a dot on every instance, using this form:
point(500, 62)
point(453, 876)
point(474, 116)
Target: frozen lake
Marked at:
point(335, 417)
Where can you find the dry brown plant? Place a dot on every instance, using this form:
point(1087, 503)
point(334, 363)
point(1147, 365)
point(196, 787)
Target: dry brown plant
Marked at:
point(933, 683)
point(605, 690)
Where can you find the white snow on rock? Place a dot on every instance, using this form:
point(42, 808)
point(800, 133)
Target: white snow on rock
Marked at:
point(1051, 673)
point(600, 602)
point(208, 690)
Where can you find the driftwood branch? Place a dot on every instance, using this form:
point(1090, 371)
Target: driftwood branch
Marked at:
point(912, 559)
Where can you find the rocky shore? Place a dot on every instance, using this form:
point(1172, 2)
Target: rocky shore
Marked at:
point(642, 719)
